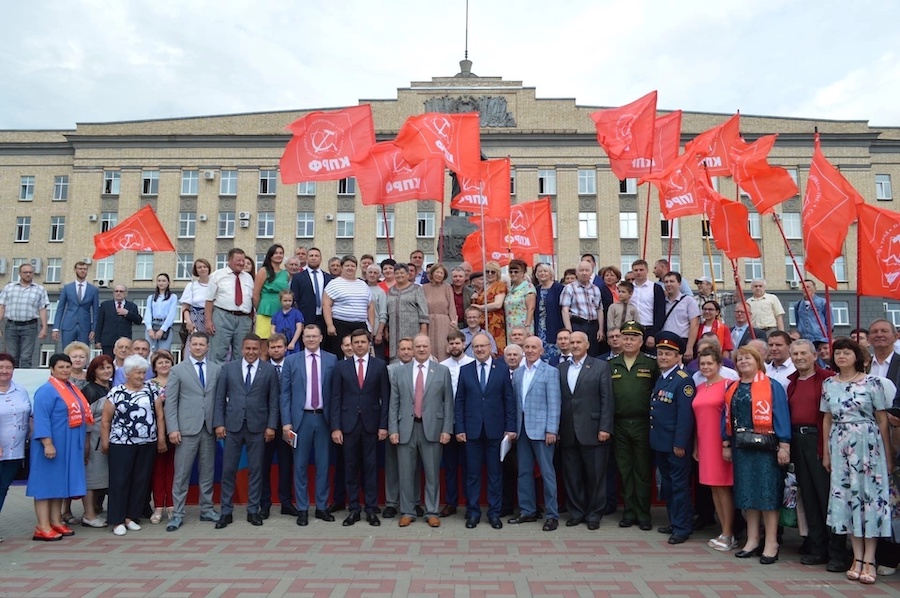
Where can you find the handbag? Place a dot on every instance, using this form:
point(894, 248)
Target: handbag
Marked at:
point(747, 439)
point(157, 324)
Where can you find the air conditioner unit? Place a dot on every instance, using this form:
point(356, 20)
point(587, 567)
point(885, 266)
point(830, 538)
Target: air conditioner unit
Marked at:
point(2, 265)
point(795, 284)
point(102, 283)
point(244, 215)
point(202, 217)
point(209, 175)
point(87, 260)
point(92, 218)
point(329, 217)
point(36, 264)
point(245, 224)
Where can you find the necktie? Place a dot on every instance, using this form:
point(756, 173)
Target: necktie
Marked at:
point(202, 377)
point(80, 291)
point(482, 378)
point(278, 371)
point(248, 380)
point(238, 291)
point(119, 305)
point(314, 380)
point(420, 392)
point(315, 277)
point(360, 376)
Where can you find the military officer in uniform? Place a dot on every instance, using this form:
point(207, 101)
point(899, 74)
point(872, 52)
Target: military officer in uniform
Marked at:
point(633, 376)
point(671, 430)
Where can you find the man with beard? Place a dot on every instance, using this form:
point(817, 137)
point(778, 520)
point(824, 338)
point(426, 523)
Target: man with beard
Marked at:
point(456, 347)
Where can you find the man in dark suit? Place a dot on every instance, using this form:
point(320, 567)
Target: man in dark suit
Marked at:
point(246, 414)
point(77, 310)
point(115, 319)
point(585, 428)
point(885, 361)
point(306, 383)
point(308, 287)
point(740, 333)
point(277, 347)
point(485, 413)
point(359, 408)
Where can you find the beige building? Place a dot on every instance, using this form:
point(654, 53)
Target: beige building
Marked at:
point(213, 181)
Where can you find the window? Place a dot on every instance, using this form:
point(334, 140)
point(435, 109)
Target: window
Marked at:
point(714, 183)
point(18, 261)
point(512, 181)
point(112, 180)
point(546, 182)
point(840, 313)
point(674, 263)
point(705, 230)
point(587, 225)
point(716, 266)
point(143, 266)
point(228, 182)
point(882, 187)
point(347, 186)
point(61, 188)
point(221, 260)
point(790, 273)
point(265, 225)
point(226, 225)
point(307, 188)
point(892, 313)
point(26, 188)
point(626, 261)
point(790, 222)
point(553, 221)
point(54, 269)
point(628, 187)
point(587, 182)
point(108, 220)
point(57, 228)
point(306, 225)
point(425, 225)
point(667, 225)
point(190, 182)
point(150, 182)
point(840, 268)
point(379, 225)
point(23, 229)
point(793, 174)
point(106, 268)
point(184, 263)
point(346, 225)
point(755, 226)
point(753, 269)
point(628, 225)
point(268, 180)
point(141, 306)
point(187, 225)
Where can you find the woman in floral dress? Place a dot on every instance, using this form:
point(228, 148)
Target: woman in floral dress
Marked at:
point(520, 300)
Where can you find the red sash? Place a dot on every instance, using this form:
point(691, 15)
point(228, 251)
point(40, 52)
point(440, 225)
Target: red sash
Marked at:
point(79, 411)
point(760, 404)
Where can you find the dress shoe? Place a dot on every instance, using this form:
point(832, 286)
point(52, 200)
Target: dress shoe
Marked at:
point(768, 560)
point(805, 547)
point(626, 523)
point(593, 525)
point(389, 513)
point(303, 518)
point(324, 515)
point(420, 512)
point(811, 560)
point(254, 519)
point(46, 536)
point(551, 524)
point(645, 525)
point(746, 554)
point(405, 521)
point(334, 508)
point(506, 512)
point(529, 518)
point(286, 510)
point(471, 523)
point(666, 529)
point(63, 529)
point(448, 510)
point(224, 521)
point(174, 523)
point(496, 523)
point(210, 515)
point(676, 539)
point(574, 521)
point(837, 565)
point(264, 513)
point(373, 519)
point(434, 521)
point(352, 518)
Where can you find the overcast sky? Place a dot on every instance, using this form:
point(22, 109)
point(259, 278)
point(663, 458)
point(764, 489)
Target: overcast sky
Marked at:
point(69, 61)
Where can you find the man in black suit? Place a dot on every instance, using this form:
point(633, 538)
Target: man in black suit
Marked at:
point(740, 333)
point(359, 409)
point(308, 287)
point(277, 347)
point(115, 320)
point(245, 414)
point(585, 428)
point(885, 361)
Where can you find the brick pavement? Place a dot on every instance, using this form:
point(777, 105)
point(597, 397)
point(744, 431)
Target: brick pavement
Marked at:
point(328, 560)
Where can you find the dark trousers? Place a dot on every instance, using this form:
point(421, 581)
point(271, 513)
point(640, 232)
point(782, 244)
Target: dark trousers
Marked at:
point(359, 449)
point(452, 463)
point(675, 473)
point(585, 480)
point(285, 472)
point(483, 451)
point(339, 487)
point(510, 468)
point(130, 467)
point(590, 328)
point(343, 328)
point(8, 471)
point(814, 484)
point(634, 457)
point(235, 442)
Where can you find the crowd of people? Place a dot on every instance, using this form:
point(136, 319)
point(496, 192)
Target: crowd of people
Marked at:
point(596, 380)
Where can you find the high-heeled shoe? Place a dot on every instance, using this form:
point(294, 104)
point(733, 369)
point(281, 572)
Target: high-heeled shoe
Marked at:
point(157, 515)
point(868, 578)
point(746, 554)
point(853, 573)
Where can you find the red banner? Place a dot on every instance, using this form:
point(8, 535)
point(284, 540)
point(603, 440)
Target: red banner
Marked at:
point(879, 252)
point(141, 231)
point(324, 143)
point(680, 193)
point(627, 132)
point(471, 251)
point(728, 224)
point(455, 138)
point(528, 230)
point(766, 185)
point(490, 190)
point(666, 141)
point(714, 146)
point(384, 177)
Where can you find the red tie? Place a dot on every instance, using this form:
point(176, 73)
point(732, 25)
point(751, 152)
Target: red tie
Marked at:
point(360, 376)
point(238, 291)
point(420, 392)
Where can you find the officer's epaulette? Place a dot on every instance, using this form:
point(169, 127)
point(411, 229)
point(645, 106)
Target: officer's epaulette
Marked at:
point(683, 374)
point(653, 357)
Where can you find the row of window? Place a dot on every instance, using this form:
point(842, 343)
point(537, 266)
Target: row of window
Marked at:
point(57, 229)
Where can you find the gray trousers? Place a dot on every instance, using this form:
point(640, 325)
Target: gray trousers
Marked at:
point(20, 342)
point(407, 458)
point(230, 333)
point(392, 478)
point(204, 445)
point(256, 446)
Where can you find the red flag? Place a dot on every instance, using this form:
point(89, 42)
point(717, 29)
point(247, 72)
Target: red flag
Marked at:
point(384, 177)
point(666, 141)
point(627, 132)
point(141, 231)
point(456, 138)
point(713, 146)
point(471, 251)
point(680, 193)
point(324, 143)
point(766, 185)
point(490, 189)
point(829, 207)
point(728, 224)
point(879, 252)
point(528, 230)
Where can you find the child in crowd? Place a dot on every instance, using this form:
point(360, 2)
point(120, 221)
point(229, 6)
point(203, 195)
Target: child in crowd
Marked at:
point(288, 321)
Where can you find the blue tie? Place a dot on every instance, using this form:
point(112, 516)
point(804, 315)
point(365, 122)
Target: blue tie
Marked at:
point(247, 379)
point(483, 378)
point(202, 377)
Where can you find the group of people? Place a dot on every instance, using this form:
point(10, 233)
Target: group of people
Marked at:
point(624, 376)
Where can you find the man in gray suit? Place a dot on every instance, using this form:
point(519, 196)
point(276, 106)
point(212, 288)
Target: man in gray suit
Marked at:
point(391, 466)
point(536, 389)
point(190, 397)
point(246, 414)
point(585, 428)
point(420, 420)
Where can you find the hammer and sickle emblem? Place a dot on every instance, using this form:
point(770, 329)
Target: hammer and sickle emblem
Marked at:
point(324, 140)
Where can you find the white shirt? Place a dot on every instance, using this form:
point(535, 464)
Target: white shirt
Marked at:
point(527, 377)
point(254, 367)
point(454, 365)
point(487, 370)
point(781, 372)
point(221, 290)
point(642, 299)
point(416, 371)
point(574, 370)
point(314, 276)
point(365, 364)
point(308, 357)
point(881, 368)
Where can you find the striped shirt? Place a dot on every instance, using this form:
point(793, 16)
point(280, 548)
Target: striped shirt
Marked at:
point(23, 303)
point(351, 299)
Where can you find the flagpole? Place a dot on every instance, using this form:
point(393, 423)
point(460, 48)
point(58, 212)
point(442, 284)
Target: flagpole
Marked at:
point(647, 217)
point(669, 256)
point(742, 299)
point(483, 247)
point(387, 231)
point(441, 234)
point(858, 270)
point(828, 310)
point(800, 276)
point(711, 270)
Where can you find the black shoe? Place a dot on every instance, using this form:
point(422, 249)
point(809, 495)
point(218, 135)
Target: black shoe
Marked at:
point(224, 520)
point(551, 524)
point(626, 523)
point(805, 547)
point(574, 521)
point(324, 515)
point(471, 523)
point(523, 519)
point(378, 510)
point(496, 523)
point(335, 508)
point(352, 518)
point(389, 513)
point(448, 510)
point(420, 512)
point(676, 539)
point(264, 513)
point(666, 529)
point(746, 554)
point(593, 525)
point(506, 512)
point(645, 525)
point(373, 519)
point(254, 519)
point(837, 565)
point(768, 560)
point(287, 510)
point(303, 518)
point(811, 560)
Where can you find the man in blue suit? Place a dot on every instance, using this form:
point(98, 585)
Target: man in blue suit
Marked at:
point(360, 396)
point(308, 287)
point(538, 402)
point(306, 382)
point(77, 310)
point(485, 413)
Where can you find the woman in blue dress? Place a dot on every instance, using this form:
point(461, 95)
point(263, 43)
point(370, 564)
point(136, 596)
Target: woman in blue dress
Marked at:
point(547, 314)
point(62, 418)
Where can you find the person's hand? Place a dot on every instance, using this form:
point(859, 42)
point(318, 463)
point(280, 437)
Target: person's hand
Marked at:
point(689, 355)
point(337, 437)
point(161, 446)
point(650, 342)
point(175, 438)
point(43, 333)
point(270, 434)
point(91, 336)
point(549, 438)
point(461, 437)
point(784, 456)
point(210, 327)
point(394, 438)
point(291, 346)
point(511, 435)
point(679, 452)
point(445, 437)
point(332, 331)
point(55, 335)
point(893, 420)
point(286, 433)
point(382, 434)
point(826, 462)
point(694, 455)
point(602, 436)
point(220, 432)
point(104, 447)
point(726, 454)
point(50, 451)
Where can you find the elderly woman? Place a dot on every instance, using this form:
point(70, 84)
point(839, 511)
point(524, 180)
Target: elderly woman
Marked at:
point(492, 297)
point(80, 355)
point(193, 299)
point(15, 409)
point(163, 474)
point(407, 310)
point(757, 440)
point(547, 314)
point(441, 309)
point(856, 434)
point(99, 377)
point(162, 306)
point(379, 296)
point(518, 305)
point(347, 305)
point(62, 417)
point(268, 284)
point(133, 432)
